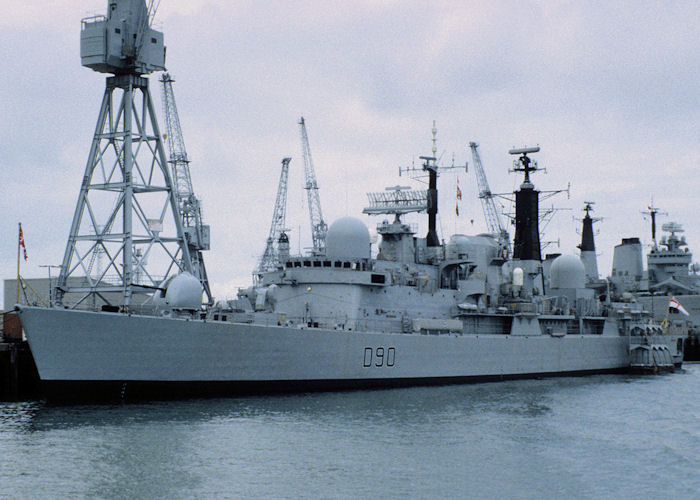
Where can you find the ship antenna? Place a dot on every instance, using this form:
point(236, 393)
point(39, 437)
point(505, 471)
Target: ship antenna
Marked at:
point(434, 140)
point(652, 212)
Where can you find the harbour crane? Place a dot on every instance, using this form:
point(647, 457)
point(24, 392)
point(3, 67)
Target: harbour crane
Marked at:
point(197, 234)
point(319, 228)
point(270, 257)
point(127, 160)
point(493, 221)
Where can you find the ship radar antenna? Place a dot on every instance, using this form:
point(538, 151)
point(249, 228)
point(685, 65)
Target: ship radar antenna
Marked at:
point(524, 163)
point(397, 200)
point(588, 209)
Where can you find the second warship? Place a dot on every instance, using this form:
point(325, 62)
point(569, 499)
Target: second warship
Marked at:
point(669, 287)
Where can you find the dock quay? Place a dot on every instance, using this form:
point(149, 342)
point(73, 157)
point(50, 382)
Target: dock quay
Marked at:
point(19, 378)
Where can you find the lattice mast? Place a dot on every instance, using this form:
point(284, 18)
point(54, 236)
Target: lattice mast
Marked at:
point(196, 233)
point(127, 210)
point(318, 226)
point(493, 221)
point(270, 257)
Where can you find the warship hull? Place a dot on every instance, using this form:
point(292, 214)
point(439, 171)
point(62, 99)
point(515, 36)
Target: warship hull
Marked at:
point(658, 305)
point(107, 355)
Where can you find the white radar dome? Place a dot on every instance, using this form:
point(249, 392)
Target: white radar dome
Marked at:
point(347, 238)
point(184, 292)
point(567, 271)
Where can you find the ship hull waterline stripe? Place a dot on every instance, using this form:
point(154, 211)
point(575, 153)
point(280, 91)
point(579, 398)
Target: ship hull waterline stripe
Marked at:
point(60, 390)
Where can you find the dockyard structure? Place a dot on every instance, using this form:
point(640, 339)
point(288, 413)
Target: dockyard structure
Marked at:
point(41, 292)
point(127, 238)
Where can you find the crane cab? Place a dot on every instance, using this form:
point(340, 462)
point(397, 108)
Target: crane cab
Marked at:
point(122, 42)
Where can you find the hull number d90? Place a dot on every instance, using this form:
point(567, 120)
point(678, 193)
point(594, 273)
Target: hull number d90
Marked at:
point(379, 356)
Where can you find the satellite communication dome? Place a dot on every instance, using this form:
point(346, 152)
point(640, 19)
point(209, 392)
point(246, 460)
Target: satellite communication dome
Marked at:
point(567, 271)
point(184, 292)
point(347, 238)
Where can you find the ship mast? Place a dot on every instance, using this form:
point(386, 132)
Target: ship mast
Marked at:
point(653, 212)
point(430, 165)
point(527, 233)
point(587, 245)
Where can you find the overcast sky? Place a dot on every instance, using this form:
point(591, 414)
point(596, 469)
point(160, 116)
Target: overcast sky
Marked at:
point(609, 90)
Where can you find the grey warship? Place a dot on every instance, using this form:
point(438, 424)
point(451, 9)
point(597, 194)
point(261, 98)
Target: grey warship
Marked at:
point(669, 287)
point(421, 312)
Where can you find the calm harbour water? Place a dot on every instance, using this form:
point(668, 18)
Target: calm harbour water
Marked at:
point(591, 437)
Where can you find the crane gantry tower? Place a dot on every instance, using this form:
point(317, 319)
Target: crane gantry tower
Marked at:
point(197, 234)
point(270, 257)
point(127, 208)
point(319, 228)
point(493, 221)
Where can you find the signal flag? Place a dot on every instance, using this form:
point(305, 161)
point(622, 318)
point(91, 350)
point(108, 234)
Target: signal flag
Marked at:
point(674, 304)
point(21, 241)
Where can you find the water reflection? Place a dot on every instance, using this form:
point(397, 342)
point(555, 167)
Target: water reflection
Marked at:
point(526, 398)
point(364, 443)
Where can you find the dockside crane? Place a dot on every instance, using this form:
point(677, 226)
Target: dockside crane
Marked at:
point(319, 228)
point(127, 164)
point(197, 234)
point(493, 221)
point(271, 256)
